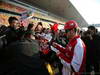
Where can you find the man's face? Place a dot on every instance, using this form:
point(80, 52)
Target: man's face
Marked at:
point(15, 24)
point(39, 27)
point(68, 33)
point(92, 31)
point(34, 26)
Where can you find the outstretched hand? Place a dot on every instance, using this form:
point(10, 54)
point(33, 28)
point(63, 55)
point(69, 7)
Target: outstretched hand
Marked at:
point(54, 44)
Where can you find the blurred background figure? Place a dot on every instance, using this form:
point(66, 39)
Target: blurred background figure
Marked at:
point(30, 33)
point(92, 41)
point(39, 27)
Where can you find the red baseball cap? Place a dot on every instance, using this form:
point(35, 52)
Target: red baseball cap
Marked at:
point(71, 24)
point(54, 27)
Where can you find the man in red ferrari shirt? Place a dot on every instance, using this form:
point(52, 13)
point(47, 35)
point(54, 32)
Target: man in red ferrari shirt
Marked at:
point(73, 57)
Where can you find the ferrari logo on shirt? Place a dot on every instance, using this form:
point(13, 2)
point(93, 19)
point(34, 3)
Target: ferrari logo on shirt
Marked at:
point(71, 24)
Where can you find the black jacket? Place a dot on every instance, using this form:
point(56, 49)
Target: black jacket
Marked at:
point(11, 34)
point(22, 58)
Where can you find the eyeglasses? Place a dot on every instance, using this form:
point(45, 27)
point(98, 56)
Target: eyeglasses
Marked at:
point(67, 30)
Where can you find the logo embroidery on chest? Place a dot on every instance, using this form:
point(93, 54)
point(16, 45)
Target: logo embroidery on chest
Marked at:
point(71, 24)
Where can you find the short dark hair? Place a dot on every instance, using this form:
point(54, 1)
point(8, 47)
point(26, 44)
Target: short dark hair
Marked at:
point(91, 27)
point(30, 26)
point(11, 19)
point(39, 23)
